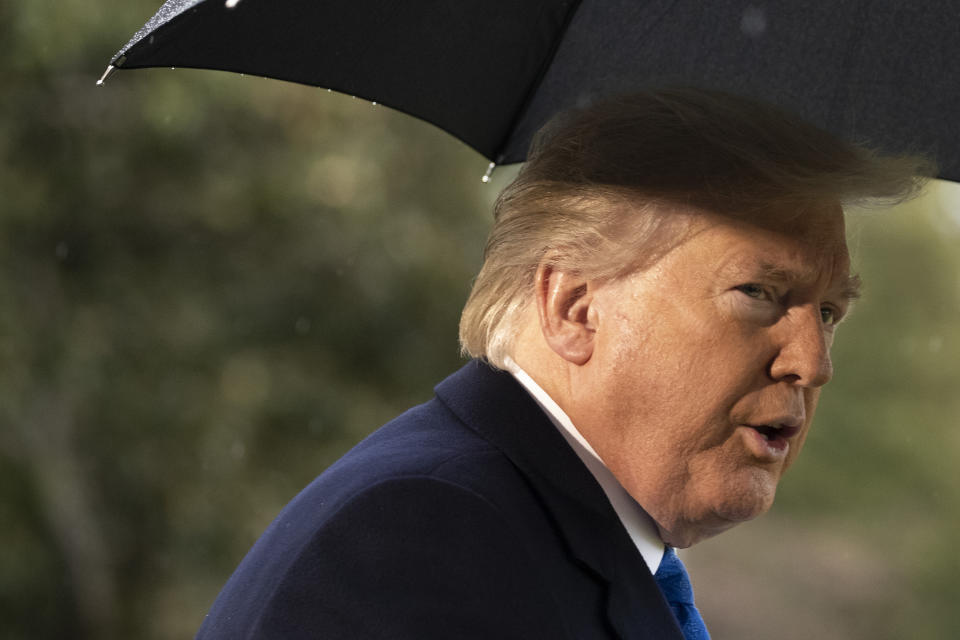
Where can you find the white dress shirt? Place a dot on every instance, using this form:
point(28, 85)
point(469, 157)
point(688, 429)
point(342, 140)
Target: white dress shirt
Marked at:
point(639, 526)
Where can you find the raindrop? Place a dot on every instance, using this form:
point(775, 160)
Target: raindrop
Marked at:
point(62, 251)
point(230, 4)
point(373, 104)
point(106, 74)
point(490, 168)
point(150, 41)
point(754, 22)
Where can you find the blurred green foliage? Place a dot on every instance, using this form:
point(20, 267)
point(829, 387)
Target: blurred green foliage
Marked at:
point(213, 285)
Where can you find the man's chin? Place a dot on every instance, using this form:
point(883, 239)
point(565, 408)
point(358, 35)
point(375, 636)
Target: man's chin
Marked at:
point(719, 515)
point(747, 500)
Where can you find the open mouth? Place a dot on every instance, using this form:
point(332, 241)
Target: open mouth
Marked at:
point(771, 433)
point(772, 442)
point(768, 432)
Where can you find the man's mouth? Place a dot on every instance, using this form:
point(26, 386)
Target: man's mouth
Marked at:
point(771, 442)
point(772, 432)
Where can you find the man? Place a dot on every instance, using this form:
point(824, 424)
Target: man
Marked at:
point(651, 329)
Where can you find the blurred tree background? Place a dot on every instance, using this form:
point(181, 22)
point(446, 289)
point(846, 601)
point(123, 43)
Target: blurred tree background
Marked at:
point(212, 285)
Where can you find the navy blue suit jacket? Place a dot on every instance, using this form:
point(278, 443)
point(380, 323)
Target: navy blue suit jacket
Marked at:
point(466, 517)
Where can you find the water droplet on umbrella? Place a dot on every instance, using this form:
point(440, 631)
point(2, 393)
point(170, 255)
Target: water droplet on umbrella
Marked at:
point(754, 22)
point(490, 168)
point(106, 74)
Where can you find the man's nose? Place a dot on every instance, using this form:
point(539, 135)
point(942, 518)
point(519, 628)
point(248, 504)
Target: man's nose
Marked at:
point(803, 358)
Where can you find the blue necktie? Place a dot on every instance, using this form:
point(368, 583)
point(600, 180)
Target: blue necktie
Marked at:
point(675, 585)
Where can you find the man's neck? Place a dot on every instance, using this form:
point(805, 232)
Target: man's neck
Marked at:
point(639, 525)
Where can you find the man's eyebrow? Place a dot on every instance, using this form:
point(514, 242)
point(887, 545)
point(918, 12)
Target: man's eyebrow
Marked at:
point(849, 288)
point(770, 271)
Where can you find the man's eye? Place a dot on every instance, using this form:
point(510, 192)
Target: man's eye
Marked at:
point(828, 316)
point(753, 291)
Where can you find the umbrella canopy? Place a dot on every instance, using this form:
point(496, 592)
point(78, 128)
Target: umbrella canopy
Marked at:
point(492, 72)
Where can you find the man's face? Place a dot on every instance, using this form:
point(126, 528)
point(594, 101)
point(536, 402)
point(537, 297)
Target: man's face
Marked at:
point(707, 367)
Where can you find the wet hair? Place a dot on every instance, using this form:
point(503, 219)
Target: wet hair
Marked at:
point(596, 192)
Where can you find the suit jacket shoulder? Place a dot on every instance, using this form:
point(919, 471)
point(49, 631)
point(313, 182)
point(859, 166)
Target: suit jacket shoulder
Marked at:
point(448, 522)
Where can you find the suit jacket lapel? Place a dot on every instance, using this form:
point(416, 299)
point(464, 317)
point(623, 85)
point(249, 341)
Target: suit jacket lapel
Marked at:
point(497, 407)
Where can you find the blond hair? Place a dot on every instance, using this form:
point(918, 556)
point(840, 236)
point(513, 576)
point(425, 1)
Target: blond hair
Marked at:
point(596, 192)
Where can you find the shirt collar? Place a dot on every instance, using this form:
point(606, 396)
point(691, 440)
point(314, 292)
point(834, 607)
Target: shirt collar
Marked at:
point(639, 525)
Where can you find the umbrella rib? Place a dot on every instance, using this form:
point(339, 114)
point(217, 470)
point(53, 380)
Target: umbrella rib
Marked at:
point(535, 85)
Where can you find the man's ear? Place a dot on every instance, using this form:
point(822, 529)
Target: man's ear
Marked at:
point(567, 320)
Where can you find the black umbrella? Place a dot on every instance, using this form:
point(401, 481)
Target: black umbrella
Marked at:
point(881, 72)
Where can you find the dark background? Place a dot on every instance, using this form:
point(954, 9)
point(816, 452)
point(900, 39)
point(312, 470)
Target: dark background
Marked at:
point(212, 285)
